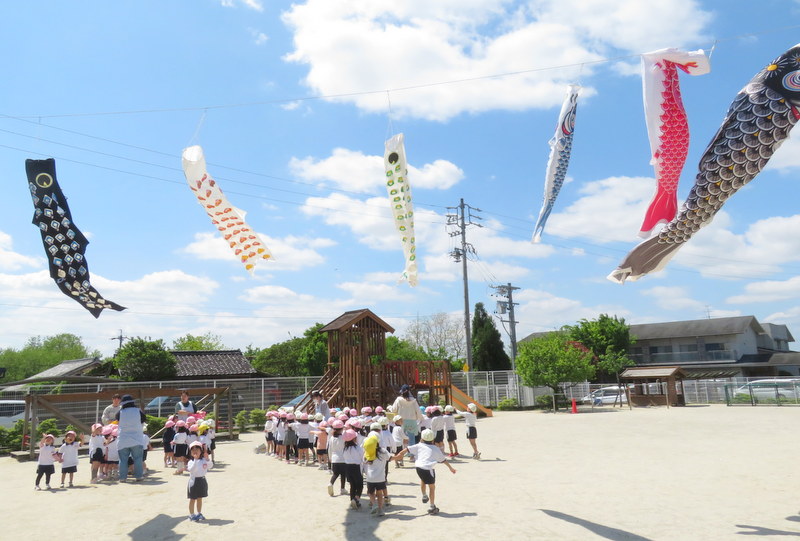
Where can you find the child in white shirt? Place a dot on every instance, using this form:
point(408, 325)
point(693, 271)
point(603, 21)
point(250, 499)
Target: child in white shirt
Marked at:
point(198, 465)
point(472, 431)
point(96, 451)
point(450, 430)
point(376, 481)
point(69, 456)
point(427, 455)
point(399, 437)
point(47, 458)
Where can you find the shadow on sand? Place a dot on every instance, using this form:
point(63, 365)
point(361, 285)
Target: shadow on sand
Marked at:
point(597, 529)
point(760, 530)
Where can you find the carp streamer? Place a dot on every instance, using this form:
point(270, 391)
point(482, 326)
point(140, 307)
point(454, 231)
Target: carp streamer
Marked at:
point(399, 190)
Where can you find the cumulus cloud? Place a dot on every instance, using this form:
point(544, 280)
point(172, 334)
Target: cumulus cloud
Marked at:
point(768, 291)
point(290, 252)
point(355, 171)
point(11, 260)
point(787, 157)
point(373, 45)
point(673, 298)
point(551, 312)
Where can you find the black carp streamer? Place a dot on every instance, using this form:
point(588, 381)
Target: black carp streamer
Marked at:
point(64, 244)
point(758, 121)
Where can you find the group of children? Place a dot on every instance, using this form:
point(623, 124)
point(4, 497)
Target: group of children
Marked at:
point(188, 446)
point(359, 447)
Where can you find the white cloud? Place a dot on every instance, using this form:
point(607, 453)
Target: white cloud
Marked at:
point(290, 253)
point(368, 293)
point(608, 210)
point(787, 157)
point(259, 38)
point(768, 291)
point(252, 4)
point(11, 260)
point(372, 45)
point(355, 171)
point(674, 298)
point(551, 312)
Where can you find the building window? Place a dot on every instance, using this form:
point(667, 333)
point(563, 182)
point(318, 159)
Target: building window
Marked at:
point(687, 348)
point(715, 347)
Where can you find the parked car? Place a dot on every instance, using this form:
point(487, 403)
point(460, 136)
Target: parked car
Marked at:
point(167, 405)
point(11, 411)
point(606, 395)
point(771, 388)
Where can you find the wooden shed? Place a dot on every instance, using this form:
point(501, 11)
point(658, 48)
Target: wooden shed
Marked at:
point(650, 384)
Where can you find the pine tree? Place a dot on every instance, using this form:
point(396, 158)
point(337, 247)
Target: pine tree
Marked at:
point(488, 352)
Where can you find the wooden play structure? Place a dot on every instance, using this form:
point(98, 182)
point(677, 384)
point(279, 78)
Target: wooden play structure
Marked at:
point(357, 373)
point(655, 386)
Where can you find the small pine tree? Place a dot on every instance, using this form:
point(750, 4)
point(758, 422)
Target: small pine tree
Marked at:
point(488, 352)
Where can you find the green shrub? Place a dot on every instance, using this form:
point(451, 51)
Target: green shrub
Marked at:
point(508, 404)
point(47, 426)
point(272, 407)
point(241, 420)
point(154, 424)
point(258, 417)
point(15, 436)
point(4, 434)
point(442, 402)
point(544, 401)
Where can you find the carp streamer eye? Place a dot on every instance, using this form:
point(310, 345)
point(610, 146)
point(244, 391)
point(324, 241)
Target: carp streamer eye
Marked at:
point(393, 157)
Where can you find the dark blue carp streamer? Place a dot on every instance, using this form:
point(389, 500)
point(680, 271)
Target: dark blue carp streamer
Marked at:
point(758, 121)
point(64, 244)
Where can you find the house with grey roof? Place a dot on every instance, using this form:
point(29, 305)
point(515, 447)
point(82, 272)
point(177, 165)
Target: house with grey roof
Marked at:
point(716, 348)
point(63, 371)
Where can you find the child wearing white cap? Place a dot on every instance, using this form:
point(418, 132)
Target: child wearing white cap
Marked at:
point(69, 456)
point(400, 438)
point(450, 430)
point(427, 456)
point(472, 431)
point(47, 458)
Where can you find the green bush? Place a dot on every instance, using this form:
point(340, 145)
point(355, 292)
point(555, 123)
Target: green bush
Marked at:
point(47, 426)
point(272, 407)
point(508, 404)
point(258, 417)
point(154, 424)
point(241, 420)
point(544, 401)
point(15, 436)
point(4, 435)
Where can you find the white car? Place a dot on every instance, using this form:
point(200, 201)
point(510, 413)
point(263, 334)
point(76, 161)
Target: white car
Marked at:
point(606, 395)
point(771, 388)
point(11, 411)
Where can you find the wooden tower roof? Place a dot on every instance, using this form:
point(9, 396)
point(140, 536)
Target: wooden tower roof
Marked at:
point(351, 318)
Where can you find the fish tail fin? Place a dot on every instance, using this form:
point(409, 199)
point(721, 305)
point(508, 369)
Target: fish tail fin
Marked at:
point(649, 256)
point(662, 210)
point(539, 228)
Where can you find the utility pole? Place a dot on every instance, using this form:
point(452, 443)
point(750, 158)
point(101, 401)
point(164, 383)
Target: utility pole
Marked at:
point(507, 306)
point(461, 218)
point(120, 338)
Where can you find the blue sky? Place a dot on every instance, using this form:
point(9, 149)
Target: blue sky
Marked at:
point(115, 91)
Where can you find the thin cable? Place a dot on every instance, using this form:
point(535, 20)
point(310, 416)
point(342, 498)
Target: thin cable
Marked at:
point(200, 123)
point(398, 89)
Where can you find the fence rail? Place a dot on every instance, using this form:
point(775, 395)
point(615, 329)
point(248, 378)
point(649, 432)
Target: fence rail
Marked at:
point(488, 388)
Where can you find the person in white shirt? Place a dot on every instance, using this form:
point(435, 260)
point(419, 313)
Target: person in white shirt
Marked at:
point(399, 437)
point(96, 442)
point(69, 456)
point(47, 458)
point(269, 435)
point(336, 456)
point(428, 455)
point(450, 430)
point(303, 430)
point(437, 425)
point(472, 431)
point(353, 458)
point(198, 466)
point(376, 481)
point(408, 408)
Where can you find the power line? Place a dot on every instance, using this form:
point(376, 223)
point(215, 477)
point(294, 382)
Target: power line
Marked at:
point(385, 90)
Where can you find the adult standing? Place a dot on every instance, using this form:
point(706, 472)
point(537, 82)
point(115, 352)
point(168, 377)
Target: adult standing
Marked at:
point(110, 413)
point(129, 441)
point(408, 408)
point(185, 407)
point(320, 406)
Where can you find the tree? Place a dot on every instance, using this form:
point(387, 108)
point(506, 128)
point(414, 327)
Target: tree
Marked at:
point(314, 354)
point(609, 339)
point(488, 352)
point(552, 360)
point(204, 342)
point(440, 335)
point(281, 359)
point(40, 353)
point(399, 349)
point(145, 360)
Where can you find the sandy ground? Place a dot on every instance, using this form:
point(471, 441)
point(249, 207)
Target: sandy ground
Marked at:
point(681, 473)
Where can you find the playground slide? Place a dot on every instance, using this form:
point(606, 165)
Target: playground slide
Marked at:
point(460, 399)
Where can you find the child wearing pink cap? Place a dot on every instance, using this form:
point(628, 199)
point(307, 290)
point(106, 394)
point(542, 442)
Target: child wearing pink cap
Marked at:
point(353, 459)
point(47, 458)
point(322, 444)
point(181, 452)
point(111, 452)
point(96, 441)
point(166, 442)
point(69, 456)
